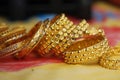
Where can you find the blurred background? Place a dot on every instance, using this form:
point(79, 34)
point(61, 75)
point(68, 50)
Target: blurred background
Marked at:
point(105, 13)
point(24, 9)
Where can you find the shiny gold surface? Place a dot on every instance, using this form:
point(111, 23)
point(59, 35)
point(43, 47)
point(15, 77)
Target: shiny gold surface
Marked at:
point(111, 59)
point(86, 51)
point(76, 43)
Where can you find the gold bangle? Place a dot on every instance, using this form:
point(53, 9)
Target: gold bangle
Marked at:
point(72, 33)
point(13, 40)
point(50, 30)
point(42, 45)
point(111, 59)
point(51, 46)
point(14, 48)
point(9, 34)
point(58, 38)
point(86, 51)
point(55, 30)
point(35, 38)
point(55, 27)
point(63, 41)
point(3, 27)
point(79, 30)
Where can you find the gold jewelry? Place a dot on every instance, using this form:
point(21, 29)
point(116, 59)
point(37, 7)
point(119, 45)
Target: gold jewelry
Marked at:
point(111, 59)
point(86, 51)
point(52, 27)
point(62, 35)
point(35, 38)
point(42, 45)
point(60, 38)
point(13, 40)
point(72, 33)
point(11, 34)
point(3, 27)
point(55, 27)
point(14, 48)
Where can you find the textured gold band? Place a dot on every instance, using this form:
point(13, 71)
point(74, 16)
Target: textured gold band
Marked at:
point(86, 51)
point(77, 44)
point(111, 59)
point(3, 27)
point(61, 36)
point(13, 40)
point(11, 34)
point(34, 37)
point(61, 33)
point(68, 36)
point(55, 26)
point(14, 48)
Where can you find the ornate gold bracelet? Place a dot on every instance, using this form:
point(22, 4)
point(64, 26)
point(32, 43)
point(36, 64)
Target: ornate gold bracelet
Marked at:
point(86, 51)
point(45, 45)
point(3, 27)
point(12, 34)
point(12, 49)
point(35, 35)
point(68, 38)
point(60, 37)
point(111, 59)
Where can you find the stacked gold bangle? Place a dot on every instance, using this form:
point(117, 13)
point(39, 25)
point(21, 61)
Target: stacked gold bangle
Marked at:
point(12, 49)
point(53, 34)
point(86, 51)
point(3, 27)
point(69, 35)
point(111, 59)
point(76, 44)
point(9, 35)
point(20, 44)
point(33, 38)
point(8, 39)
point(64, 35)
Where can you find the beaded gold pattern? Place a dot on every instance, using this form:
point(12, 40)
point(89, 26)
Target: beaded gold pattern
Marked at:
point(76, 43)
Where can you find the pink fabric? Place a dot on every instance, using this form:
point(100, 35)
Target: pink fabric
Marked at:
point(11, 64)
point(113, 35)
